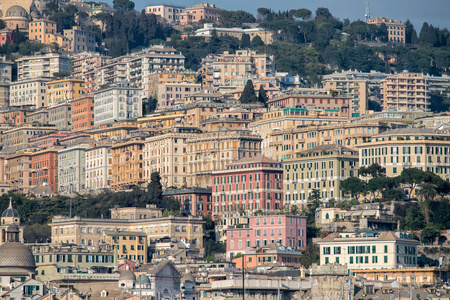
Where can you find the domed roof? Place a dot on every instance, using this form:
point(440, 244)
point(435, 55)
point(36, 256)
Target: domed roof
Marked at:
point(16, 11)
point(10, 212)
point(127, 275)
point(143, 279)
point(16, 258)
point(12, 228)
point(187, 277)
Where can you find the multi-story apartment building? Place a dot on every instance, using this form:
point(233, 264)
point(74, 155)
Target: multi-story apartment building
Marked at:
point(85, 66)
point(279, 119)
point(424, 148)
point(267, 36)
point(80, 40)
point(5, 80)
point(213, 151)
point(218, 69)
point(396, 30)
point(84, 231)
point(19, 137)
point(167, 154)
point(18, 171)
point(117, 102)
point(405, 92)
point(47, 140)
point(60, 116)
point(31, 92)
point(44, 168)
point(198, 12)
point(171, 94)
point(127, 164)
point(342, 105)
point(99, 167)
point(320, 168)
point(287, 142)
point(82, 109)
point(15, 116)
point(129, 244)
point(72, 167)
point(64, 90)
point(286, 230)
point(44, 65)
point(160, 77)
point(38, 116)
point(194, 201)
point(371, 250)
point(357, 90)
point(170, 13)
point(114, 71)
point(41, 30)
point(249, 184)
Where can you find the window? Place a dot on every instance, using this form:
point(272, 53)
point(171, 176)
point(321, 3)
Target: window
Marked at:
point(385, 249)
point(385, 259)
point(327, 260)
point(351, 259)
point(326, 250)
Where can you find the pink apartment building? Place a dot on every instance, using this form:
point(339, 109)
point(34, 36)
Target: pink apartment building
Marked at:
point(202, 11)
point(286, 230)
point(249, 184)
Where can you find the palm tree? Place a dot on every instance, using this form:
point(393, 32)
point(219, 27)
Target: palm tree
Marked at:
point(427, 192)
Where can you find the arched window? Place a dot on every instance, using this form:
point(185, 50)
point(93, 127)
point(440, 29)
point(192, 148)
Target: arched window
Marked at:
point(89, 242)
point(83, 242)
point(327, 216)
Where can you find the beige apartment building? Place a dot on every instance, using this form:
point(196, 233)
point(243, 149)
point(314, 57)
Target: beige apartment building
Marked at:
point(166, 153)
point(5, 80)
point(44, 65)
point(31, 92)
point(85, 231)
point(213, 151)
point(396, 30)
point(159, 77)
point(60, 115)
point(85, 65)
point(218, 69)
point(285, 143)
point(320, 168)
point(357, 90)
point(278, 119)
point(64, 90)
point(80, 40)
point(39, 116)
point(18, 138)
point(170, 13)
point(127, 164)
point(171, 94)
point(99, 167)
point(424, 148)
point(405, 92)
point(376, 250)
point(18, 171)
point(267, 36)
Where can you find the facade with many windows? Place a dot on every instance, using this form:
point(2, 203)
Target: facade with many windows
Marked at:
point(250, 184)
point(319, 169)
point(371, 250)
point(285, 230)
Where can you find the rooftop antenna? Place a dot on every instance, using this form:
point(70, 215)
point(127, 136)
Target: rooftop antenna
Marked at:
point(367, 13)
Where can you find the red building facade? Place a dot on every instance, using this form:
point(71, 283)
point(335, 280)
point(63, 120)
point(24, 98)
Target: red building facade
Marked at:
point(44, 168)
point(196, 201)
point(250, 184)
point(82, 113)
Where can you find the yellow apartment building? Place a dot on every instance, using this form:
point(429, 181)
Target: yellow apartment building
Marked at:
point(39, 30)
point(162, 120)
point(286, 142)
point(396, 30)
point(156, 79)
point(405, 92)
point(129, 244)
point(357, 90)
point(88, 232)
point(290, 118)
point(127, 164)
point(398, 149)
point(118, 130)
point(374, 250)
point(320, 168)
point(422, 276)
point(64, 90)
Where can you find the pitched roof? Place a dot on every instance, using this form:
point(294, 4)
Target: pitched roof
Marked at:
point(254, 159)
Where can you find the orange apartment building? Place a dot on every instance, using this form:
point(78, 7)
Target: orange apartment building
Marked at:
point(39, 30)
point(59, 91)
point(202, 11)
point(82, 113)
point(18, 171)
point(405, 92)
point(127, 164)
point(44, 168)
point(396, 30)
point(14, 117)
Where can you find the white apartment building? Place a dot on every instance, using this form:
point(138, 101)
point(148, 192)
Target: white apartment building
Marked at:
point(170, 13)
point(80, 40)
point(117, 102)
point(5, 80)
point(30, 92)
point(370, 250)
point(44, 65)
point(72, 167)
point(99, 167)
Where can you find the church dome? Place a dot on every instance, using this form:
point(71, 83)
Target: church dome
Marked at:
point(127, 275)
point(15, 257)
point(187, 278)
point(16, 11)
point(10, 212)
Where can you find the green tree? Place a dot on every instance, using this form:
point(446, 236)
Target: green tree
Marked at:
point(123, 5)
point(302, 13)
point(257, 41)
point(262, 95)
point(429, 234)
point(412, 177)
point(353, 186)
point(248, 94)
point(245, 41)
point(311, 255)
point(154, 188)
point(427, 192)
point(414, 219)
point(37, 233)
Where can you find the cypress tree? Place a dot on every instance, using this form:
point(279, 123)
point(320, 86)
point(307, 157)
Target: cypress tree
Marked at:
point(248, 94)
